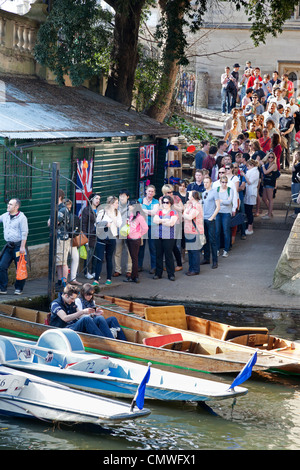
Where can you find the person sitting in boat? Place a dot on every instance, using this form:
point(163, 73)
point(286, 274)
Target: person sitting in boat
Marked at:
point(86, 318)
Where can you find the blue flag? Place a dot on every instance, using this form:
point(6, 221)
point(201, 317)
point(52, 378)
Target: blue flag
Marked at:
point(140, 394)
point(245, 372)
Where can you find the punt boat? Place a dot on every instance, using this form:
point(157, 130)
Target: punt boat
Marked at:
point(194, 354)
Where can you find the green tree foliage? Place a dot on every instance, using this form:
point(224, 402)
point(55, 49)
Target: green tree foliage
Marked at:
point(75, 40)
point(266, 16)
point(189, 130)
point(147, 80)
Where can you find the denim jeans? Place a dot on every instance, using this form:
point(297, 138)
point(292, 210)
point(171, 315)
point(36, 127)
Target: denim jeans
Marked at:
point(194, 261)
point(151, 244)
point(211, 243)
point(225, 101)
point(8, 256)
point(295, 190)
point(98, 326)
point(106, 247)
point(242, 210)
point(223, 222)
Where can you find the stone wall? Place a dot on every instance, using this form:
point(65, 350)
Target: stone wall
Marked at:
point(39, 261)
point(17, 39)
point(287, 272)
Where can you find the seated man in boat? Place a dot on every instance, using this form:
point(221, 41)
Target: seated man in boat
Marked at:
point(87, 319)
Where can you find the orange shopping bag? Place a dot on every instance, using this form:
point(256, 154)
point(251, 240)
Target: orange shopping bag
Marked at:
point(21, 268)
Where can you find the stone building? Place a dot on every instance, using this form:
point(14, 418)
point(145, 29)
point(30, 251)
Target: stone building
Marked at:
point(225, 40)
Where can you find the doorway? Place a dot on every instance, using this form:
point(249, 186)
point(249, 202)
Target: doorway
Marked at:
point(293, 70)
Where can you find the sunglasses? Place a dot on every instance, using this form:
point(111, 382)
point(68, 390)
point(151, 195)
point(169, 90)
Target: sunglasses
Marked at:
point(166, 202)
point(90, 293)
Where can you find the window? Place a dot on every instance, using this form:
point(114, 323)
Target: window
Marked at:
point(18, 175)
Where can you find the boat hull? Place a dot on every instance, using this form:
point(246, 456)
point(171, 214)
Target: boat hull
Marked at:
point(223, 357)
point(24, 395)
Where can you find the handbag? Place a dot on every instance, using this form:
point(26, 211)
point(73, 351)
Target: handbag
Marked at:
point(101, 228)
point(124, 231)
point(202, 237)
point(80, 239)
point(21, 273)
point(82, 252)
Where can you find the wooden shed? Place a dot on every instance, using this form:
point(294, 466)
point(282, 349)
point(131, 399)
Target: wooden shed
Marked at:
point(42, 123)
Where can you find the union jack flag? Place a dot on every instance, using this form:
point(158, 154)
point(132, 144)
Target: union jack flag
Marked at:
point(84, 183)
point(147, 160)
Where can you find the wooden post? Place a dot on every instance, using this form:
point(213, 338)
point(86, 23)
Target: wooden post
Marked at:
point(53, 231)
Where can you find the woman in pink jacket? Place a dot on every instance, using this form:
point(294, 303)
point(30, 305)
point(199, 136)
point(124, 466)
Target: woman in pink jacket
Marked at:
point(137, 227)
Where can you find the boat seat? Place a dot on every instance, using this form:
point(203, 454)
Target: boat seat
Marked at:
point(7, 351)
point(170, 315)
point(158, 341)
point(63, 339)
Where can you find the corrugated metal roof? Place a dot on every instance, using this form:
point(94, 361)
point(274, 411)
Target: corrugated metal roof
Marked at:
point(31, 108)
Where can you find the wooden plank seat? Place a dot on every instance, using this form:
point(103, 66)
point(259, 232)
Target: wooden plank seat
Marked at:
point(252, 340)
point(184, 346)
point(158, 341)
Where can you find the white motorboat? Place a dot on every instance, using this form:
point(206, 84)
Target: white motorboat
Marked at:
point(25, 395)
point(59, 355)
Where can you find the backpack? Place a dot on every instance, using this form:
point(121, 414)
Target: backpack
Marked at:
point(230, 86)
point(228, 190)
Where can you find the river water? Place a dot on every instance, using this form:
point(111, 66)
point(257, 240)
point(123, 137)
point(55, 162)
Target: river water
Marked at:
point(267, 418)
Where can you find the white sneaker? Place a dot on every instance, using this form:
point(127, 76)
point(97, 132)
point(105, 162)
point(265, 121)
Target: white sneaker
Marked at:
point(265, 217)
point(249, 232)
point(89, 276)
point(225, 254)
point(18, 292)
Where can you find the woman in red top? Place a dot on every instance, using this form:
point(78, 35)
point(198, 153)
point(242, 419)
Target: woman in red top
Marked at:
point(265, 140)
point(276, 148)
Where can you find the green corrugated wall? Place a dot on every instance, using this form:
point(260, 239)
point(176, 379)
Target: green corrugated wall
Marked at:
point(116, 166)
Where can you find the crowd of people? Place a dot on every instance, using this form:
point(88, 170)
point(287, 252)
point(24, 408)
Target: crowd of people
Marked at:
point(262, 108)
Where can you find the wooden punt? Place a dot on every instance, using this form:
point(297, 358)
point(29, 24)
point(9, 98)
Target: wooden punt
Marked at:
point(195, 355)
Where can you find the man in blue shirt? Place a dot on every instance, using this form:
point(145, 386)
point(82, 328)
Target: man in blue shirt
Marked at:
point(202, 154)
point(197, 185)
